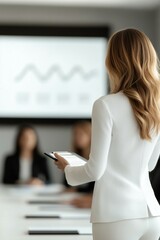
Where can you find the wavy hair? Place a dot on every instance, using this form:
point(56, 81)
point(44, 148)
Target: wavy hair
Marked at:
point(133, 68)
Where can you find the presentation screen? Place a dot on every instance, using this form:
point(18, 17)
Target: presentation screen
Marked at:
point(51, 77)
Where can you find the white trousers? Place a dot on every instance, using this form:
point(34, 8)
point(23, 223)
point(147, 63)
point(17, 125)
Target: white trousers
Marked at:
point(136, 229)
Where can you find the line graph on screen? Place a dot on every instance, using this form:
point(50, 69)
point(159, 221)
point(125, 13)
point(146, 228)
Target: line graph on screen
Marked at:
point(76, 79)
point(55, 70)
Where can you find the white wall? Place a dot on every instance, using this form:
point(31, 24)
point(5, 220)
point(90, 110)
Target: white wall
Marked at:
point(59, 137)
point(116, 18)
point(158, 31)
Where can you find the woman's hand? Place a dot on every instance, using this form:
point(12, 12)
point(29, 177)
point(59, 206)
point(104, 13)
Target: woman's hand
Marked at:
point(61, 163)
point(82, 202)
point(35, 182)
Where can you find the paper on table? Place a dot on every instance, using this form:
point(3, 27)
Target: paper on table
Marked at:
point(66, 208)
point(62, 198)
point(57, 207)
point(52, 189)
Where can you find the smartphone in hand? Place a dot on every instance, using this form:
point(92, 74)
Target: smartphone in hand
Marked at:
point(51, 155)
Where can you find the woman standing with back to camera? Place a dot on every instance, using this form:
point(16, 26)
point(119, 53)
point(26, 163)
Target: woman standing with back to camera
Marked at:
point(125, 143)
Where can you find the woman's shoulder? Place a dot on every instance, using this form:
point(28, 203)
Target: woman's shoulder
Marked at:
point(12, 156)
point(39, 157)
point(111, 99)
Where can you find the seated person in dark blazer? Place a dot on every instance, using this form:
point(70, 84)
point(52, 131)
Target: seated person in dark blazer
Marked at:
point(155, 180)
point(26, 165)
point(81, 142)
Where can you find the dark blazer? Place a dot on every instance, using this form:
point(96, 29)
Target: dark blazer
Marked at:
point(155, 180)
point(84, 188)
point(11, 169)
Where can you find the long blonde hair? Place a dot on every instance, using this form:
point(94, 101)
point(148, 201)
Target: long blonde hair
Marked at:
point(132, 66)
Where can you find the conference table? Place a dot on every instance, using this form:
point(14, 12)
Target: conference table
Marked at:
point(25, 210)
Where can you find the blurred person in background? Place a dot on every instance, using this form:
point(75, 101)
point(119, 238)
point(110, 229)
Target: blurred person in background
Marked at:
point(81, 142)
point(155, 180)
point(26, 165)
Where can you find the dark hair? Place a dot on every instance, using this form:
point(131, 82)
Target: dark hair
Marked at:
point(21, 130)
point(86, 127)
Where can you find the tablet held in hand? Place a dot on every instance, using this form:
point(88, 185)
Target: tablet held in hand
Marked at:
point(72, 158)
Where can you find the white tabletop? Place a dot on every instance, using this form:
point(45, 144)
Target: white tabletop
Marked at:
point(14, 206)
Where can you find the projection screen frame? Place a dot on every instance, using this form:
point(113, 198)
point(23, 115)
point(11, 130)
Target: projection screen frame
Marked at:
point(51, 30)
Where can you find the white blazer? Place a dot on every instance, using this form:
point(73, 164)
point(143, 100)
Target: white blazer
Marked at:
point(119, 162)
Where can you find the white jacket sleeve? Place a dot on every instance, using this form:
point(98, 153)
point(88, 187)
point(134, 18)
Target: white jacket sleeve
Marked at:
point(100, 144)
point(154, 157)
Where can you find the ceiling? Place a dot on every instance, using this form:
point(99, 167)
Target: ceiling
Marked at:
point(93, 3)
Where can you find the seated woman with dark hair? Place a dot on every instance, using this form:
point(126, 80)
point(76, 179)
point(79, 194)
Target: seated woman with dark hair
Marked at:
point(26, 165)
point(81, 142)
